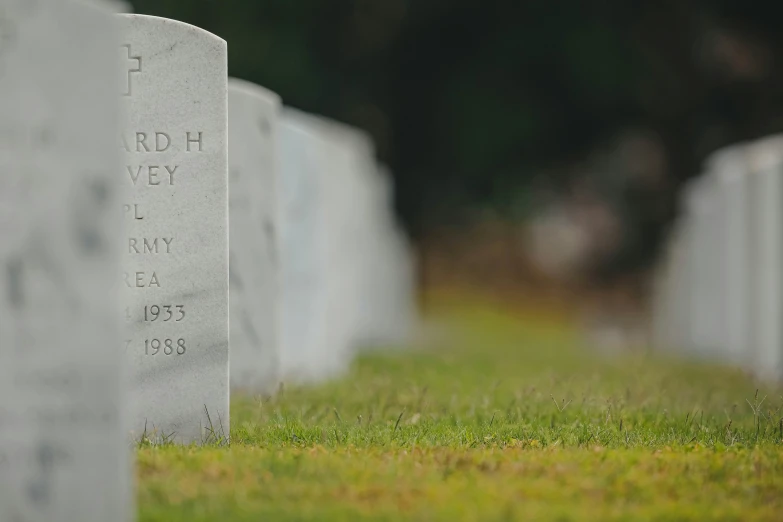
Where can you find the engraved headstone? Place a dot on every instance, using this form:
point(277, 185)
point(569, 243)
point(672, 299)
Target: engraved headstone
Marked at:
point(174, 142)
point(63, 447)
point(254, 271)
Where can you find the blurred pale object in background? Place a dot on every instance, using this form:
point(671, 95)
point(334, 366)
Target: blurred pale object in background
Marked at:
point(64, 451)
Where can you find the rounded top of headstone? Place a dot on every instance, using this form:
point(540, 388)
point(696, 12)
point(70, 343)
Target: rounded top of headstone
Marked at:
point(729, 164)
point(335, 131)
point(300, 121)
point(382, 180)
point(766, 153)
point(253, 90)
point(697, 194)
point(676, 234)
point(359, 138)
point(140, 20)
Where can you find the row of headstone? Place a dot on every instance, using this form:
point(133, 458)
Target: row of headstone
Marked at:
point(256, 246)
point(718, 290)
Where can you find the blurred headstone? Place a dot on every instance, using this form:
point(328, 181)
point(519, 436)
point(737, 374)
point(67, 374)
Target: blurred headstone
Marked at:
point(662, 331)
point(116, 6)
point(730, 167)
point(304, 355)
point(393, 262)
point(368, 273)
point(176, 250)
point(367, 261)
point(677, 308)
point(705, 310)
point(766, 204)
point(346, 198)
point(714, 233)
point(120, 6)
point(348, 268)
point(63, 446)
point(254, 270)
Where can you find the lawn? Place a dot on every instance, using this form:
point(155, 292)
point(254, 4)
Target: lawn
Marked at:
point(499, 415)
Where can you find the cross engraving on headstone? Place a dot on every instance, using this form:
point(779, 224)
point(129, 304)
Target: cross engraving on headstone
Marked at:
point(133, 64)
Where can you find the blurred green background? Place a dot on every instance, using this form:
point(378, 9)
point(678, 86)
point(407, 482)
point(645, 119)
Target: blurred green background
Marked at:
point(502, 106)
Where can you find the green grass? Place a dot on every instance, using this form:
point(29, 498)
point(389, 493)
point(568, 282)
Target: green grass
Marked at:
point(503, 417)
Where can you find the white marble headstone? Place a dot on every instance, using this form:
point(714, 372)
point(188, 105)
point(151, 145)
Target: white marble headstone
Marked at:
point(174, 141)
point(63, 446)
point(766, 203)
point(342, 199)
point(712, 237)
point(349, 222)
point(303, 354)
point(679, 289)
point(697, 215)
point(730, 167)
point(360, 241)
point(393, 271)
point(254, 271)
point(662, 324)
point(348, 201)
point(368, 277)
point(670, 304)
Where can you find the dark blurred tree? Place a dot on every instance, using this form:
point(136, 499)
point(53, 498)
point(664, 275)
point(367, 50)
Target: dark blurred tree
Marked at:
point(470, 102)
